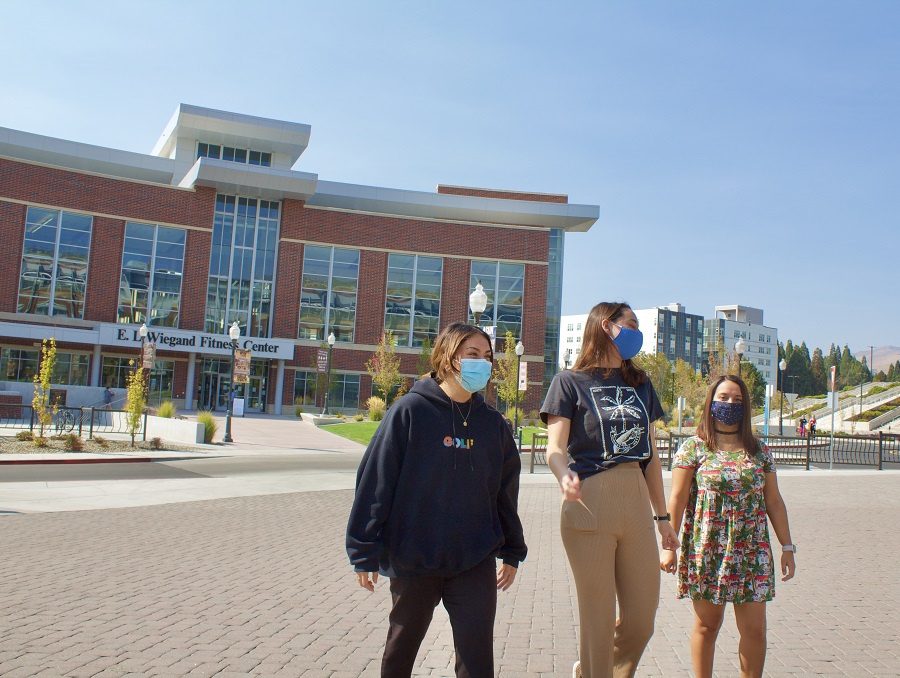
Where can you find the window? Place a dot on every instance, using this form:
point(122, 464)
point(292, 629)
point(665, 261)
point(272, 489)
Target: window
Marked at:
point(242, 266)
point(152, 265)
point(413, 303)
point(239, 155)
point(687, 324)
point(578, 339)
point(737, 334)
point(762, 337)
point(71, 369)
point(116, 371)
point(18, 364)
point(571, 327)
point(570, 340)
point(769, 338)
point(673, 322)
point(344, 391)
point(305, 387)
point(54, 263)
point(579, 326)
point(504, 285)
point(328, 293)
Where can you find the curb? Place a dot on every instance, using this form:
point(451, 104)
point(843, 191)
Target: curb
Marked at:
point(113, 460)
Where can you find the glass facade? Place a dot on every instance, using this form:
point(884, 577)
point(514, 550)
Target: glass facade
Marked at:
point(504, 285)
point(242, 266)
point(152, 267)
point(554, 305)
point(305, 387)
point(162, 376)
point(55, 258)
point(328, 293)
point(344, 392)
point(413, 302)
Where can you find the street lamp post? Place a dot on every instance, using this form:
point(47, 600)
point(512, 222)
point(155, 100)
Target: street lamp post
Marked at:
point(331, 341)
point(740, 348)
point(478, 302)
point(234, 332)
point(781, 366)
point(520, 349)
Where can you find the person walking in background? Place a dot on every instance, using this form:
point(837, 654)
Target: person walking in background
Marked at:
point(724, 485)
point(802, 429)
point(812, 425)
point(600, 414)
point(435, 506)
point(107, 398)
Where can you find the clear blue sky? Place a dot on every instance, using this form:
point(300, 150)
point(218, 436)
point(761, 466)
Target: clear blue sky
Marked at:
point(739, 152)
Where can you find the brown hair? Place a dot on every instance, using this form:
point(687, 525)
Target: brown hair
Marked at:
point(447, 345)
point(596, 346)
point(706, 431)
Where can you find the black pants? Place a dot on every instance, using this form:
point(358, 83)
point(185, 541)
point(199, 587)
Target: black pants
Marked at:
point(470, 599)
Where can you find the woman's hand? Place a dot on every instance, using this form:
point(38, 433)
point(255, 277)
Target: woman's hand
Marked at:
point(367, 579)
point(506, 575)
point(668, 535)
point(787, 565)
point(570, 485)
point(668, 561)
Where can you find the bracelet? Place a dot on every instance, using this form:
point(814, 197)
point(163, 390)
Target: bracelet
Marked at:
point(668, 516)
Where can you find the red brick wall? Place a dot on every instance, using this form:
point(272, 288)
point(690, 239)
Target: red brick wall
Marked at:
point(371, 295)
point(12, 235)
point(195, 279)
point(505, 195)
point(66, 189)
point(411, 235)
point(286, 305)
point(104, 270)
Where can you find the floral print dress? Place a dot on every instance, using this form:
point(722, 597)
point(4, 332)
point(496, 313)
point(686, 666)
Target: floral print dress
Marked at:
point(725, 556)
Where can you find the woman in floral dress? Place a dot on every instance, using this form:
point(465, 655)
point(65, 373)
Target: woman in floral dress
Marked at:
point(723, 487)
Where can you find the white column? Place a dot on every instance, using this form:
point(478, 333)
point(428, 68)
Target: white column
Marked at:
point(96, 364)
point(279, 386)
point(189, 390)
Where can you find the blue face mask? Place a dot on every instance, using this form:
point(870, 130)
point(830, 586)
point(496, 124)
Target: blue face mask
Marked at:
point(727, 413)
point(474, 374)
point(629, 342)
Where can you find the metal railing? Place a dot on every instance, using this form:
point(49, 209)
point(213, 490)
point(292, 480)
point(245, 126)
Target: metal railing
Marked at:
point(859, 450)
point(85, 421)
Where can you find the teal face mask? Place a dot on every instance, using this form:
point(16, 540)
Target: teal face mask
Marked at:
point(474, 373)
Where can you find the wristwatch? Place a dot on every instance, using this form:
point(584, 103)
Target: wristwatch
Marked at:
point(789, 547)
point(668, 516)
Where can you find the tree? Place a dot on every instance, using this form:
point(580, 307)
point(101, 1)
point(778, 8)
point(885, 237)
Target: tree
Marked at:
point(384, 365)
point(44, 410)
point(756, 384)
point(506, 376)
point(819, 374)
point(423, 364)
point(659, 369)
point(135, 402)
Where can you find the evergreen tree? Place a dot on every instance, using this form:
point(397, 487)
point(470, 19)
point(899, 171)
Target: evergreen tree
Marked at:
point(756, 384)
point(819, 374)
point(788, 350)
point(880, 376)
point(800, 366)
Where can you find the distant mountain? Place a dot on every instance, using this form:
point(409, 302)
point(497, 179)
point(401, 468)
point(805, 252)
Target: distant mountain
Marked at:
point(883, 356)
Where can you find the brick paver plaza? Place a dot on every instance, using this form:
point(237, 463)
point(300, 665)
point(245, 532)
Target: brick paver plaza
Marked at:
point(261, 586)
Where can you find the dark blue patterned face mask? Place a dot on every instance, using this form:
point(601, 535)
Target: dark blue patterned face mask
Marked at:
point(727, 413)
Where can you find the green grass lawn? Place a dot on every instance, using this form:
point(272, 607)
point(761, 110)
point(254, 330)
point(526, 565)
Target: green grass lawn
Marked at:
point(362, 431)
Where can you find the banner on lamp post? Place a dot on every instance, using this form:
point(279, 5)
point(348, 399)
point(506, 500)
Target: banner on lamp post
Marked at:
point(523, 376)
point(242, 366)
point(322, 361)
point(148, 356)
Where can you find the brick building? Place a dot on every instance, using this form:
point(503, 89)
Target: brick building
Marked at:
point(215, 227)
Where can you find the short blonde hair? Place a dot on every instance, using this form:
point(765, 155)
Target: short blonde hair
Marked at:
point(447, 345)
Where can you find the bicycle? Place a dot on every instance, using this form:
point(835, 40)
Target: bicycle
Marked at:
point(64, 421)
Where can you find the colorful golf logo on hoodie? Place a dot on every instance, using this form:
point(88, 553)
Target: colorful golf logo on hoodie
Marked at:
point(459, 443)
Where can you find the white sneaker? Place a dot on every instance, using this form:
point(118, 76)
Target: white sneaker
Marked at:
point(576, 670)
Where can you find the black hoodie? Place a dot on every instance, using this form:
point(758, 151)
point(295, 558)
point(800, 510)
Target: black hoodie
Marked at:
point(435, 497)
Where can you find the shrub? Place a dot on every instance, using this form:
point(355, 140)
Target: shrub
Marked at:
point(376, 407)
point(24, 435)
point(74, 443)
point(298, 410)
point(210, 425)
point(166, 409)
point(101, 441)
point(156, 443)
point(359, 416)
point(40, 441)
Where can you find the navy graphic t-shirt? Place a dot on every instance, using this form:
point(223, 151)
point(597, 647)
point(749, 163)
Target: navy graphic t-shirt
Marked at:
point(610, 419)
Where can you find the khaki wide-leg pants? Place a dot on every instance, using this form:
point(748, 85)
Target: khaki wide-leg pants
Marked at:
point(611, 546)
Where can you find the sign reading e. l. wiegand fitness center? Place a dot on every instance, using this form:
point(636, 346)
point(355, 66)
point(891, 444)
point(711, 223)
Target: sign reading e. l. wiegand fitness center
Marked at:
point(194, 342)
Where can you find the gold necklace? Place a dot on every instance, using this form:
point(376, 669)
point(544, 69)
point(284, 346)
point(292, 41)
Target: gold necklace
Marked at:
point(468, 412)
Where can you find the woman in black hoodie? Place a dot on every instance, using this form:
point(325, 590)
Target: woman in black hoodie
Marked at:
point(435, 506)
